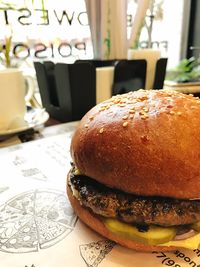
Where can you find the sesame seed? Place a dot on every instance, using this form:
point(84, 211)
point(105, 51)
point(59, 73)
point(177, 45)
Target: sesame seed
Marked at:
point(131, 116)
point(142, 112)
point(125, 117)
point(91, 118)
point(172, 112)
point(145, 109)
point(86, 125)
point(101, 130)
point(179, 113)
point(131, 111)
point(108, 106)
point(144, 116)
point(125, 124)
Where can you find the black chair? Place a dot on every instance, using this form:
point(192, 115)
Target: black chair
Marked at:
point(98, 62)
point(129, 75)
point(160, 73)
point(67, 90)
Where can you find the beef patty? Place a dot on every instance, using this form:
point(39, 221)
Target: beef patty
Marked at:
point(132, 208)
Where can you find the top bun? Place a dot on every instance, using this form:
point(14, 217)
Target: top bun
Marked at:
point(143, 142)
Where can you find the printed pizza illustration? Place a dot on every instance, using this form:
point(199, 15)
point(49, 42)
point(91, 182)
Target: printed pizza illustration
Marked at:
point(35, 220)
point(93, 253)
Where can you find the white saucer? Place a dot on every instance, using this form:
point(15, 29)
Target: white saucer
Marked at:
point(33, 118)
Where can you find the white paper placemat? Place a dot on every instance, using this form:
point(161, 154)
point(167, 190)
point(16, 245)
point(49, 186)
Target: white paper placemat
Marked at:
point(37, 225)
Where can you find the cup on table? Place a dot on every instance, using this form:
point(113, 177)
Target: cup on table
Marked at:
point(14, 87)
point(104, 83)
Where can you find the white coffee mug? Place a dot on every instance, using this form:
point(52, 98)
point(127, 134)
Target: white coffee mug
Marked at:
point(12, 98)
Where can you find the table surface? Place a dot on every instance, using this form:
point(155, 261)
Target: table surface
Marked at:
point(38, 227)
point(51, 127)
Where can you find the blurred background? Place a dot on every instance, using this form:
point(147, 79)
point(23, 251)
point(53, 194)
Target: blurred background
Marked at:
point(59, 30)
point(66, 31)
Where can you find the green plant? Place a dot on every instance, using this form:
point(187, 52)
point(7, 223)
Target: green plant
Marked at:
point(188, 70)
point(5, 51)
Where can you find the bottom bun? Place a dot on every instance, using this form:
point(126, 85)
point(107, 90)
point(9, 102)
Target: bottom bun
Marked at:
point(97, 225)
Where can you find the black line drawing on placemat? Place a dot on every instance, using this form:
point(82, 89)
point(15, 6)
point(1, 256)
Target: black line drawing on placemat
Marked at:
point(93, 253)
point(35, 220)
point(33, 173)
point(3, 189)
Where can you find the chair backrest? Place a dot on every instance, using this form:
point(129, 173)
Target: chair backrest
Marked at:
point(48, 94)
point(67, 90)
point(98, 62)
point(129, 75)
point(160, 73)
point(79, 80)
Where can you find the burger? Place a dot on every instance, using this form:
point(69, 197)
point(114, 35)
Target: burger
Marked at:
point(135, 176)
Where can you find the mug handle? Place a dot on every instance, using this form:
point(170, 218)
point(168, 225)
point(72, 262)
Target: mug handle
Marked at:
point(29, 92)
point(29, 85)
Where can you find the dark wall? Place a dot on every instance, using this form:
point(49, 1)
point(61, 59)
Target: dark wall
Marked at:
point(193, 48)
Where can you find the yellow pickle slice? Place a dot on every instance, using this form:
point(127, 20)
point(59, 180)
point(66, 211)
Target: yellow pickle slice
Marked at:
point(153, 235)
point(196, 226)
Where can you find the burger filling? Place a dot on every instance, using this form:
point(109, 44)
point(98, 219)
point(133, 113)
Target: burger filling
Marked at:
point(138, 217)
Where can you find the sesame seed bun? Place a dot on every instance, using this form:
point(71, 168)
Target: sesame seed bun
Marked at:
point(143, 142)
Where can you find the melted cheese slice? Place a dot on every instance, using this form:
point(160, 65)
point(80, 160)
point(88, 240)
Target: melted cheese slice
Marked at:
point(190, 243)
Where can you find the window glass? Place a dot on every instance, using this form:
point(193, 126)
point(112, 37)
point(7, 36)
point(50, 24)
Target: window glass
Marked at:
point(59, 31)
point(166, 17)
